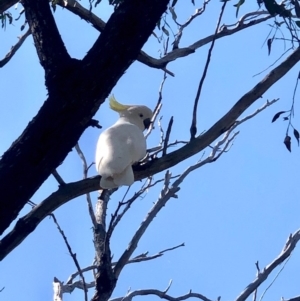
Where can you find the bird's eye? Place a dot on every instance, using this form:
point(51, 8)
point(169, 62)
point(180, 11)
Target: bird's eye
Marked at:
point(141, 115)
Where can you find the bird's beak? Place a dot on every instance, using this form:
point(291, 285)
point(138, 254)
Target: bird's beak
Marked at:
point(147, 123)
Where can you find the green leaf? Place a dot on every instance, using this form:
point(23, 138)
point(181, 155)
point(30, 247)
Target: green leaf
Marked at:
point(238, 5)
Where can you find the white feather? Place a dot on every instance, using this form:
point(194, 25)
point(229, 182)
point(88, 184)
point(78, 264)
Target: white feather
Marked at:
point(120, 146)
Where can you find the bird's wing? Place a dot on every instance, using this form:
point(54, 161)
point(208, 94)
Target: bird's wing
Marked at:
point(119, 147)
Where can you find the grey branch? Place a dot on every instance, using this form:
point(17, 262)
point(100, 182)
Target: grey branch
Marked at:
point(73, 255)
point(58, 178)
point(14, 49)
point(245, 21)
point(169, 191)
point(85, 175)
point(72, 190)
point(69, 287)
point(263, 275)
point(160, 294)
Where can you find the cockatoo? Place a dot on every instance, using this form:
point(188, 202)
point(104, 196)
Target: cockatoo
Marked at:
point(122, 144)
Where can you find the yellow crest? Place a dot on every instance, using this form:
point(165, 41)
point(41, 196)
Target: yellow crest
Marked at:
point(115, 105)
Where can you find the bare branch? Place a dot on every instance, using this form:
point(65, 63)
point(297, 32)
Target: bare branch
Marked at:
point(285, 253)
point(162, 295)
point(116, 217)
point(14, 49)
point(58, 178)
point(57, 290)
point(193, 128)
point(164, 196)
point(157, 107)
point(69, 288)
point(183, 52)
point(198, 12)
point(168, 133)
point(70, 285)
point(292, 299)
point(65, 193)
point(276, 276)
point(267, 104)
point(73, 255)
point(161, 63)
point(85, 175)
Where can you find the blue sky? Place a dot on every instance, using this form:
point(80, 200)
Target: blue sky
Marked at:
point(229, 214)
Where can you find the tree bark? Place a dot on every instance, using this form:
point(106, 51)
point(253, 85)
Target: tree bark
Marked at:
point(76, 90)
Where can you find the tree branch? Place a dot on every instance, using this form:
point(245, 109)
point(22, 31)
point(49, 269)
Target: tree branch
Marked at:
point(14, 49)
point(223, 124)
point(28, 223)
point(162, 295)
point(75, 95)
point(6, 4)
point(70, 285)
point(263, 275)
point(243, 23)
point(48, 42)
point(193, 128)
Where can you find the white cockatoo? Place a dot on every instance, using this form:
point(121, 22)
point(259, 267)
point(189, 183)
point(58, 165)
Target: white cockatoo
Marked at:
point(122, 144)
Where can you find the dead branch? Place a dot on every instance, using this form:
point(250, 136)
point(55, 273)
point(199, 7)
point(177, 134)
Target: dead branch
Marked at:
point(85, 175)
point(158, 106)
point(226, 30)
point(57, 290)
point(162, 295)
point(58, 178)
point(168, 133)
point(70, 285)
point(198, 12)
point(29, 222)
point(166, 194)
point(193, 128)
point(14, 49)
point(73, 255)
point(263, 275)
point(183, 52)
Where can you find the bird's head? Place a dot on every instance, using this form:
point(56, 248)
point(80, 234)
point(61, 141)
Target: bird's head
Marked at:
point(136, 114)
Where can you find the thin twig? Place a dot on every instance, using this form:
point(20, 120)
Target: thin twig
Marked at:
point(70, 285)
point(164, 150)
point(162, 295)
point(257, 274)
point(166, 193)
point(276, 276)
point(73, 255)
point(285, 253)
point(198, 12)
point(58, 178)
point(157, 107)
point(85, 175)
point(193, 128)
